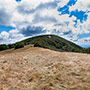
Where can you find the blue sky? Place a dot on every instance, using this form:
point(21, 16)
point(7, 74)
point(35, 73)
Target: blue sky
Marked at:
point(83, 35)
point(21, 19)
point(80, 15)
point(5, 28)
point(18, 0)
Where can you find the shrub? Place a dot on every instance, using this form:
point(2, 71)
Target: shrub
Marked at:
point(87, 50)
point(19, 45)
point(11, 46)
point(37, 44)
point(3, 47)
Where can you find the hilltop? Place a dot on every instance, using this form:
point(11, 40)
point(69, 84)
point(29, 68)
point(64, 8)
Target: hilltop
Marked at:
point(52, 42)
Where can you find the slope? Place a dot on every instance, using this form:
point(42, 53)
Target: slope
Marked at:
point(53, 42)
point(43, 69)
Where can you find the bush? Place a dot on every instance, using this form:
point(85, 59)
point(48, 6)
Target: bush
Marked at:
point(87, 50)
point(37, 44)
point(19, 45)
point(11, 46)
point(3, 47)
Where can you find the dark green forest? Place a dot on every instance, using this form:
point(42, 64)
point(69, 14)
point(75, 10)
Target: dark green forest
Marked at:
point(52, 42)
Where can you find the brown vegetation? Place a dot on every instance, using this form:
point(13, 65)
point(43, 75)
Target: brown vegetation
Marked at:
point(43, 69)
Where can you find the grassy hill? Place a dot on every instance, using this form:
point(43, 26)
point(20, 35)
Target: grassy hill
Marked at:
point(52, 42)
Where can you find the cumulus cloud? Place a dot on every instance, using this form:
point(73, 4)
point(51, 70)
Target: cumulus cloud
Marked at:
point(31, 30)
point(4, 35)
point(66, 18)
point(45, 19)
point(84, 41)
point(4, 17)
point(10, 37)
point(24, 9)
point(81, 5)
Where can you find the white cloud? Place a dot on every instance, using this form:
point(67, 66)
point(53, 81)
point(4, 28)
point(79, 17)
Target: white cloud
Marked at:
point(4, 35)
point(84, 41)
point(20, 20)
point(62, 2)
point(10, 37)
point(81, 5)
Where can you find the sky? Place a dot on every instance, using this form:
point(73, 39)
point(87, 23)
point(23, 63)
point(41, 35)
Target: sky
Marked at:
point(21, 19)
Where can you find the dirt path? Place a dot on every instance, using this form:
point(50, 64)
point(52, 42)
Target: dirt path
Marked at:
point(43, 69)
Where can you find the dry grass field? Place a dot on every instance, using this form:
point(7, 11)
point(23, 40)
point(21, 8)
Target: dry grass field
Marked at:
point(42, 69)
